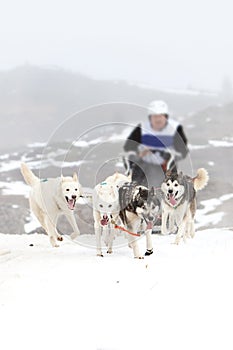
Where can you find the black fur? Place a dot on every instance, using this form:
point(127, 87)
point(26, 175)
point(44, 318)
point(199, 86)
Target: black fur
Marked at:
point(130, 202)
point(126, 194)
point(155, 196)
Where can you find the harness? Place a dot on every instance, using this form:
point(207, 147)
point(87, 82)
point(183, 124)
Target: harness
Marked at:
point(124, 229)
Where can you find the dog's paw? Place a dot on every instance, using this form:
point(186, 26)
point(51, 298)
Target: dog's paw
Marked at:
point(139, 257)
point(109, 251)
point(149, 252)
point(176, 242)
point(53, 242)
point(173, 232)
point(100, 254)
point(60, 238)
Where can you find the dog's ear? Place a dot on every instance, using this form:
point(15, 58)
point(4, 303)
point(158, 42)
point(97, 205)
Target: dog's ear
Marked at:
point(168, 174)
point(143, 193)
point(180, 176)
point(152, 192)
point(140, 190)
point(75, 177)
point(115, 175)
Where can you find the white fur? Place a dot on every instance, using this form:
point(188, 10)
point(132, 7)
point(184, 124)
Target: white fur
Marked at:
point(47, 201)
point(201, 180)
point(134, 225)
point(106, 203)
point(182, 215)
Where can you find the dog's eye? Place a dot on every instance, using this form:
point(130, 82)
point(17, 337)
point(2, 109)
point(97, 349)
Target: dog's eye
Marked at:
point(153, 206)
point(101, 205)
point(176, 185)
point(110, 205)
point(167, 184)
point(76, 189)
point(143, 207)
point(67, 189)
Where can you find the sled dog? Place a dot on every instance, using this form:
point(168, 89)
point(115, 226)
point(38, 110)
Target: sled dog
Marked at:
point(52, 197)
point(179, 202)
point(106, 210)
point(140, 210)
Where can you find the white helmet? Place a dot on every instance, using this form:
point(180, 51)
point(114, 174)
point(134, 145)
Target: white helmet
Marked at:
point(157, 107)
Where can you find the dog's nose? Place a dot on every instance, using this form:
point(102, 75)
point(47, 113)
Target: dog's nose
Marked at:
point(150, 218)
point(170, 191)
point(74, 197)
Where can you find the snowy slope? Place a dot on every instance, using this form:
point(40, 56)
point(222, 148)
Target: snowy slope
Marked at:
point(67, 298)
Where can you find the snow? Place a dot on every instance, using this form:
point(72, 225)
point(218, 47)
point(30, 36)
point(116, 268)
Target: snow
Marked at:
point(32, 223)
point(67, 298)
point(212, 143)
point(115, 137)
point(196, 147)
point(16, 188)
point(211, 163)
point(37, 145)
point(9, 165)
point(4, 156)
point(84, 143)
point(205, 216)
point(220, 143)
point(42, 164)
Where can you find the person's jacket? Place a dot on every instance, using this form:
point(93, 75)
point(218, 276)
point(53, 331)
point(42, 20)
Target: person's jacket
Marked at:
point(172, 136)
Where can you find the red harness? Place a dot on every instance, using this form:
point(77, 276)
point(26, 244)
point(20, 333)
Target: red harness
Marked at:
point(124, 229)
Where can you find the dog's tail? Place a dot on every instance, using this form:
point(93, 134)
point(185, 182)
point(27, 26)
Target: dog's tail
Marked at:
point(201, 180)
point(28, 175)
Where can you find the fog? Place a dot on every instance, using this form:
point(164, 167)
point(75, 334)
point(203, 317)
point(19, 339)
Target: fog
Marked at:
point(164, 44)
point(109, 60)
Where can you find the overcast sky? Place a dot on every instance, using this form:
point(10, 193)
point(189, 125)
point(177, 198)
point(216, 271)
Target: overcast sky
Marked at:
point(169, 44)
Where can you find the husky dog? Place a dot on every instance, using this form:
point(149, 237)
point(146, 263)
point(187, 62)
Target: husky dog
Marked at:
point(106, 209)
point(179, 202)
point(51, 198)
point(140, 209)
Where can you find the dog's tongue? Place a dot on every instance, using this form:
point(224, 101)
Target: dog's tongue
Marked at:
point(104, 221)
point(149, 225)
point(71, 204)
point(172, 200)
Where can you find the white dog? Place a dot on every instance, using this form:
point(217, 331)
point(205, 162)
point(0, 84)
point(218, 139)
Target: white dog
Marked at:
point(51, 198)
point(106, 209)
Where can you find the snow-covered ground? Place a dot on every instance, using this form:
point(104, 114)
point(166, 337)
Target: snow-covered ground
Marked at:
point(67, 298)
